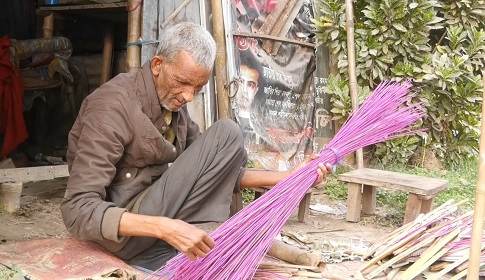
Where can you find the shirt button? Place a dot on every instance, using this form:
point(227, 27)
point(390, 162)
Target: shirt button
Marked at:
point(128, 175)
point(174, 150)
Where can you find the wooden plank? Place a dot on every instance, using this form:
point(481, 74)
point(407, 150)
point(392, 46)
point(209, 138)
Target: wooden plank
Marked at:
point(286, 27)
point(271, 19)
point(413, 208)
point(7, 163)
point(84, 7)
point(304, 208)
point(369, 200)
point(149, 29)
point(29, 174)
point(420, 185)
point(354, 202)
point(274, 38)
point(427, 205)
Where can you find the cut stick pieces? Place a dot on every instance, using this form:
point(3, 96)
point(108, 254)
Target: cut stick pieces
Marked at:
point(437, 237)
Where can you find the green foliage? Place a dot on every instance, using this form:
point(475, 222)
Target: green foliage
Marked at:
point(440, 45)
point(340, 97)
point(335, 190)
point(247, 195)
point(10, 273)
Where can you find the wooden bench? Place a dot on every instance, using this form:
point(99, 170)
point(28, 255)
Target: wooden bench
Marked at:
point(303, 207)
point(362, 184)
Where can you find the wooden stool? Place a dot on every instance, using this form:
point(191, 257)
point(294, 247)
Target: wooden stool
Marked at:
point(303, 207)
point(362, 185)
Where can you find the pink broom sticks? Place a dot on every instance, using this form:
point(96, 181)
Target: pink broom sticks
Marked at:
point(243, 240)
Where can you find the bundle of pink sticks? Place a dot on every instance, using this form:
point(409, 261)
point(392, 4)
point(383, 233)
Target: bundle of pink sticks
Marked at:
point(243, 240)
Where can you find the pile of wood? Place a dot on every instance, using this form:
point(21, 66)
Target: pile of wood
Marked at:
point(435, 244)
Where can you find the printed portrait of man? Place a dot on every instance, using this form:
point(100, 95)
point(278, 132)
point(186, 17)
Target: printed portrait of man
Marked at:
point(248, 87)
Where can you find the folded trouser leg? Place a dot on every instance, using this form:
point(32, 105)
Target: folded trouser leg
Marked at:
point(197, 188)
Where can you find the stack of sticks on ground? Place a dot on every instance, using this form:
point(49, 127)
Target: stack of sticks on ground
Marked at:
point(435, 244)
point(278, 270)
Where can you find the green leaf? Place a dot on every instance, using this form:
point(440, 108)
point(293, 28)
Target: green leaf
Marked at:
point(399, 27)
point(334, 34)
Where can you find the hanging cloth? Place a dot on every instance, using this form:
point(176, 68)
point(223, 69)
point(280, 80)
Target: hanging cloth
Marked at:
point(12, 123)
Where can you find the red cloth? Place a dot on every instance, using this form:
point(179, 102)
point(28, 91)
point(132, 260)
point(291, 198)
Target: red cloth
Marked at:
point(12, 123)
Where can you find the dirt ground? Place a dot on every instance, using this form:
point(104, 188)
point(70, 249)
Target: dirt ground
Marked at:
point(39, 218)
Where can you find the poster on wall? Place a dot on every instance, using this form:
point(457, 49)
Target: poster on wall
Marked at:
point(275, 99)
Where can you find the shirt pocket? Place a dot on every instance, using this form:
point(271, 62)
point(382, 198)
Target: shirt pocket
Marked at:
point(154, 148)
point(124, 175)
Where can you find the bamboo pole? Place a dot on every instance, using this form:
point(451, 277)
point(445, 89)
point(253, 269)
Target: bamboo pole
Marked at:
point(295, 255)
point(133, 52)
point(349, 14)
point(479, 210)
point(220, 63)
point(107, 54)
point(48, 26)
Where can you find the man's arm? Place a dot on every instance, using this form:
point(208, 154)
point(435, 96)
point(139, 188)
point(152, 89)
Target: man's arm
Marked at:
point(186, 238)
point(261, 178)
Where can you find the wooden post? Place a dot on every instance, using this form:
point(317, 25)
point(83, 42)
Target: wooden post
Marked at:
point(349, 14)
point(48, 26)
point(354, 202)
point(220, 63)
point(107, 54)
point(295, 255)
point(11, 196)
point(133, 52)
point(149, 30)
point(368, 199)
point(479, 211)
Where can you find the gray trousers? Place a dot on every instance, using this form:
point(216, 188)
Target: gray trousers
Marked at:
point(197, 188)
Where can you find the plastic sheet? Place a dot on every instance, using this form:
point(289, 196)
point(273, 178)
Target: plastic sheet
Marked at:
point(70, 258)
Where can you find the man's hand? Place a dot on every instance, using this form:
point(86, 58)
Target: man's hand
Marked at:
point(188, 239)
point(322, 171)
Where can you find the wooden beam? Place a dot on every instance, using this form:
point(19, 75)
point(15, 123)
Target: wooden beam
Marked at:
point(349, 16)
point(149, 29)
point(479, 213)
point(83, 7)
point(175, 13)
point(220, 66)
point(274, 38)
point(107, 53)
point(29, 174)
point(133, 52)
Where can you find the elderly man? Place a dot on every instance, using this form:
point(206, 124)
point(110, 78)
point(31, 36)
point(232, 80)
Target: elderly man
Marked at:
point(141, 174)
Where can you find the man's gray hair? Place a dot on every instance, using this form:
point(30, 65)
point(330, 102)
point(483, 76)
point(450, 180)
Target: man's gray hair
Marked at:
point(192, 38)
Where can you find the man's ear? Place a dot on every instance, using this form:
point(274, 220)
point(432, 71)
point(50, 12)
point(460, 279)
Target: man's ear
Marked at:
point(156, 64)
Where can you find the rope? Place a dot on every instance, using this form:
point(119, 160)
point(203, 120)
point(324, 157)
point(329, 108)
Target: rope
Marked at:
point(142, 42)
point(337, 157)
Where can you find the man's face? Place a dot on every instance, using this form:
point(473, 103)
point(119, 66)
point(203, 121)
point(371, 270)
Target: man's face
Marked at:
point(179, 81)
point(248, 87)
